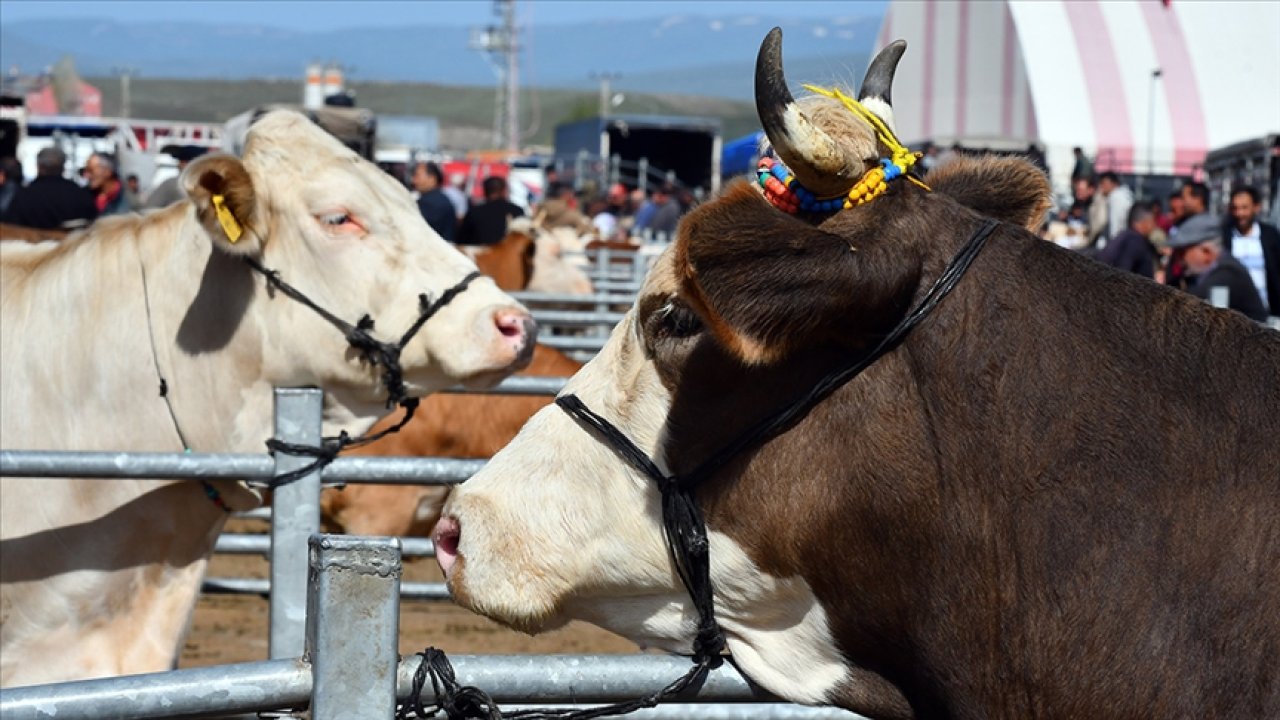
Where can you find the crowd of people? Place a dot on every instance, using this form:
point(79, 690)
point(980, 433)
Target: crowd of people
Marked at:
point(615, 215)
point(1179, 242)
point(52, 201)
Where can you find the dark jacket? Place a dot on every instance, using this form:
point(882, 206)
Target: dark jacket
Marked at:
point(487, 224)
point(1242, 294)
point(1270, 257)
point(50, 203)
point(1129, 251)
point(438, 212)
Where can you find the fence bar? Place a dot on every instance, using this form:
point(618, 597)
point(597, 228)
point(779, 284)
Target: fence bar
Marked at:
point(533, 298)
point(353, 626)
point(585, 678)
point(573, 342)
point(519, 386)
point(219, 690)
point(249, 544)
point(725, 711)
point(169, 466)
point(262, 586)
point(576, 318)
point(295, 516)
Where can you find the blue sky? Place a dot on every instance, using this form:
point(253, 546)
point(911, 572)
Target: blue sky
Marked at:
point(325, 16)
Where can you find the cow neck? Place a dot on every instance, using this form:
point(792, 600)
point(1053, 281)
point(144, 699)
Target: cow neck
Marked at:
point(210, 491)
point(376, 352)
point(682, 519)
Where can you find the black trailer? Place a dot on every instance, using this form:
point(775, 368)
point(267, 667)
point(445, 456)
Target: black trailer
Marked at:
point(641, 151)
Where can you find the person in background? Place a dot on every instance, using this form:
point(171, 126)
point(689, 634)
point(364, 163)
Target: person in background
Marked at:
point(1158, 236)
point(434, 205)
point(1083, 169)
point(133, 192)
point(1087, 216)
point(1177, 209)
point(667, 217)
point(10, 181)
point(1119, 199)
point(51, 202)
point(1200, 239)
point(1195, 200)
point(170, 190)
point(457, 195)
point(104, 181)
point(1255, 244)
point(486, 223)
point(1130, 249)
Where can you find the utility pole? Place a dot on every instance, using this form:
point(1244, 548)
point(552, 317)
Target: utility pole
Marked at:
point(1151, 127)
point(126, 74)
point(500, 43)
point(606, 93)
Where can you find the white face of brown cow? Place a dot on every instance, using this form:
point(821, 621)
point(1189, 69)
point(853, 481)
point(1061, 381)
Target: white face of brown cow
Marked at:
point(351, 238)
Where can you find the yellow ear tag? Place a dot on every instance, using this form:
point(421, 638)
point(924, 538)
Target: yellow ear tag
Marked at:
point(228, 221)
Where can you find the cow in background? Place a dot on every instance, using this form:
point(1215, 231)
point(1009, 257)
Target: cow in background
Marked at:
point(1007, 515)
point(151, 333)
point(445, 425)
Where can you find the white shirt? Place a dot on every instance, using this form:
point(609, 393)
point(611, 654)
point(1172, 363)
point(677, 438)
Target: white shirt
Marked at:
point(1247, 248)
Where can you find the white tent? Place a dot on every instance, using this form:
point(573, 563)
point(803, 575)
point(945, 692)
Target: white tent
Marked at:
point(1066, 73)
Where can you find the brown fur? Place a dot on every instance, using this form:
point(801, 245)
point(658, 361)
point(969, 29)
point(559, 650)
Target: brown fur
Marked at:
point(1056, 498)
point(455, 426)
point(28, 234)
point(509, 262)
point(1005, 188)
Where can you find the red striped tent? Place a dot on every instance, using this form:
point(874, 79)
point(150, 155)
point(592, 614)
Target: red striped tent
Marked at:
point(1064, 73)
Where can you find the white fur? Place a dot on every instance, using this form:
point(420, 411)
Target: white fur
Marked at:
point(100, 577)
point(557, 527)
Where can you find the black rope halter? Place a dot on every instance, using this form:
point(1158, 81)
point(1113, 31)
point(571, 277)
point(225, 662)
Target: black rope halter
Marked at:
point(683, 523)
point(376, 352)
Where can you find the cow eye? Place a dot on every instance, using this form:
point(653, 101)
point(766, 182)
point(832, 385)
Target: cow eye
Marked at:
point(340, 222)
point(676, 320)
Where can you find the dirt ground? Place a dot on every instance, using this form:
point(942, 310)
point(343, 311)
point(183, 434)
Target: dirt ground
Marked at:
point(233, 628)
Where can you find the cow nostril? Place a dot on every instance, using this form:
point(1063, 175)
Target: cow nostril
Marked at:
point(511, 324)
point(446, 536)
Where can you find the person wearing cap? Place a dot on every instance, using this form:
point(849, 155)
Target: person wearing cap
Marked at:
point(170, 191)
point(1199, 244)
point(51, 201)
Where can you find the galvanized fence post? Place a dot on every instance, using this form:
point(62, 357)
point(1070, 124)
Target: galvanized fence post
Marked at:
point(295, 516)
point(353, 626)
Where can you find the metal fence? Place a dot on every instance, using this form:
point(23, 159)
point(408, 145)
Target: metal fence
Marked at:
point(334, 617)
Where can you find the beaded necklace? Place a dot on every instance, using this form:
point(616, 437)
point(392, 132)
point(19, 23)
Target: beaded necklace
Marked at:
point(787, 194)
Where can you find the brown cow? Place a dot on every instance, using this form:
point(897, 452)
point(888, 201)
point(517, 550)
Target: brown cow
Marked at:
point(1057, 497)
point(453, 426)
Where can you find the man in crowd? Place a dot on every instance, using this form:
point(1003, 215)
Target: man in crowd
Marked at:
point(1255, 244)
point(457, 194)
point(1200, 239)
point(51, 202)
point(486, 224)
point(662, 214)
point(1131, 248)
point(1087, 216)
point(434, 205)
point(1119, 199)
point(1195, 200)
point(104, 181)
point(10, 181)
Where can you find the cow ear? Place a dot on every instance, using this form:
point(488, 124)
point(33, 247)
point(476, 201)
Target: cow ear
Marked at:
point(225, 202)
point(1009, 189)
point(766, 283)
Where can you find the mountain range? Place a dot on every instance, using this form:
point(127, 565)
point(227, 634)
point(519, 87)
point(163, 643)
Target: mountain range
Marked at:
point(689, 54)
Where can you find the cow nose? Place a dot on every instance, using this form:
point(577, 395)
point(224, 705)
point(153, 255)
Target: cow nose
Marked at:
point(518, 330)
point(446, 536)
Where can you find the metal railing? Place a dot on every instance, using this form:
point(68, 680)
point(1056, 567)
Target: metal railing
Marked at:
point(335, 608)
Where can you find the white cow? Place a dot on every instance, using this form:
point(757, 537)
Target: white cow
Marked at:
point(100, 577)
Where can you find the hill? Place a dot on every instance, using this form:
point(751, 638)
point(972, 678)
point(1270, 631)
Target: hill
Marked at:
point(465, 113)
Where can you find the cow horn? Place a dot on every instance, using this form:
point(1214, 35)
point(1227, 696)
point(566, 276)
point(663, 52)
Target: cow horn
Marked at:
point(877, 86)
point(813, 156)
